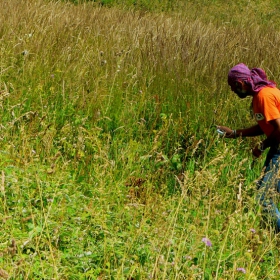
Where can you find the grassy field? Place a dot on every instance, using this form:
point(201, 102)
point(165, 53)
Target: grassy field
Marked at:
point(111, 167)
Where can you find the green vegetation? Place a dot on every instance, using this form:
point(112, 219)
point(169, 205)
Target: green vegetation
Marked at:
point(111, 167)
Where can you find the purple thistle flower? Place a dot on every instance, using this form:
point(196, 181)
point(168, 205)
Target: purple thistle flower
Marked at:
point(241, 269)
point(207, 241)
point(253, 230)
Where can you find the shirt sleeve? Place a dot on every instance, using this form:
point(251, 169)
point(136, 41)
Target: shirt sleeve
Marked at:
point(270, 105)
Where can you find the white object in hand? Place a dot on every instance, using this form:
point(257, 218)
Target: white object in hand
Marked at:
point(221, 132)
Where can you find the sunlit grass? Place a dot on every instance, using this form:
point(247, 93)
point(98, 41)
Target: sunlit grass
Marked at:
point(111, 167)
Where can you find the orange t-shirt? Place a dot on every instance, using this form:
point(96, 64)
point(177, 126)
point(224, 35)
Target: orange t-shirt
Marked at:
point(266, 107)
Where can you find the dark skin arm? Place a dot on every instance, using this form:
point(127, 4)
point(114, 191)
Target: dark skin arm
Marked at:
point(246, 132)
point(272, 140)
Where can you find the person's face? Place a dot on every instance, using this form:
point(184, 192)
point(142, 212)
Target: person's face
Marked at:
point(241, 89)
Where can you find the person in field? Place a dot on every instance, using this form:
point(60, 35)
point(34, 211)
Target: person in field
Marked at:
point(266, 108)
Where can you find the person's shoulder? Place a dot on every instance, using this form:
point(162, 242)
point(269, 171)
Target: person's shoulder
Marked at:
point(267, 92)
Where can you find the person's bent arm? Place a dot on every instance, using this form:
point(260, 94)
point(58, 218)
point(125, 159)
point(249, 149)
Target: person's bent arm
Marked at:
point(274, 138)
point(245, 132)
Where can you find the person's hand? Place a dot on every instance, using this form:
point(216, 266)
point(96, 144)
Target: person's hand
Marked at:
point(229, 133)
point(257, 152)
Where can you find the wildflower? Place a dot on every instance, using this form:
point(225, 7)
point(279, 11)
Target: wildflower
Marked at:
point(253, 230)
point(207, 241)
point(241, 269)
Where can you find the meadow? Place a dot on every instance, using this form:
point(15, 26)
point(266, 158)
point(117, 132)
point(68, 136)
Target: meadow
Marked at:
point(111, 167)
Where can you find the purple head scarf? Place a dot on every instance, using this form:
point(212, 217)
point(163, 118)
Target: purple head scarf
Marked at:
point(255, 77)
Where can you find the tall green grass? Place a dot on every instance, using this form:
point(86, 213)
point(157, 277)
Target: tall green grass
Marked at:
point(111, 167)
